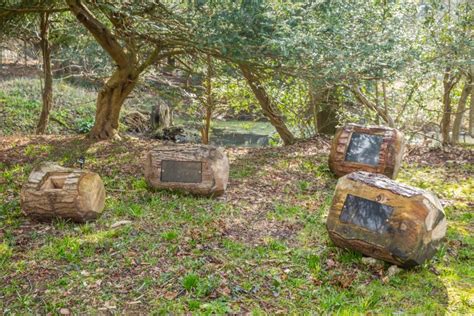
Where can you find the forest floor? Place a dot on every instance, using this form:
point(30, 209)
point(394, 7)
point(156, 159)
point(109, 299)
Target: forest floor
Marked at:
point(262, 249)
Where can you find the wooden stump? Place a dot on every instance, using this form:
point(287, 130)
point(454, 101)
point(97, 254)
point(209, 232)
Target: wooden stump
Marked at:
point(56, 192)
point(199, 169)
point(375, 149)
point(385, 219)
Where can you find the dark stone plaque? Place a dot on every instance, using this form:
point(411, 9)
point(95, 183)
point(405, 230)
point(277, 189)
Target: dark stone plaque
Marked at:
point(364, 148)
point(181, 171)
point(366, 213)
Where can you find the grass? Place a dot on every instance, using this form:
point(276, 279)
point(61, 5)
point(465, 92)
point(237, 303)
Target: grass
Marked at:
point(263, 251)
point(73, 109)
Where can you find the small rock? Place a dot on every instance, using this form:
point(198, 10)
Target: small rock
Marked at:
point(393, 270)
point(370, 261)
point(64, 311)
point(120, 223)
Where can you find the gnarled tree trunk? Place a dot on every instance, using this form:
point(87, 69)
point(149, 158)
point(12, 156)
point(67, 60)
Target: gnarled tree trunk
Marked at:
point(269, 109)
point(47, 94)
point(109, 103)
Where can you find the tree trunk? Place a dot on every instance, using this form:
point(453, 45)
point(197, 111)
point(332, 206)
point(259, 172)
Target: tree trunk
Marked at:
point(25, 55)
point(120, 84)
point(47, 94)
point(125, 55)
point(205, 129)
point(313, 108)
point(209, 103)
point(471, 114)
point(471, 105)
point(109, 103)
point(460, 112)
point(269, 109)
point(449, 81)
point(327, 106)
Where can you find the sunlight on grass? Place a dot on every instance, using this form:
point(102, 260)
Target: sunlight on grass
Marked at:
point(185, 254)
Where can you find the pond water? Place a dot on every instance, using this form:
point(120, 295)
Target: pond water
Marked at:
point(238, 133)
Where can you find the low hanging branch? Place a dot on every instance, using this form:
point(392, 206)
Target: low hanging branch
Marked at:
point(383, 113)
point(269, 109)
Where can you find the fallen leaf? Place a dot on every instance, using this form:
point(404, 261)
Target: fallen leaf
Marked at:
point(120, 223)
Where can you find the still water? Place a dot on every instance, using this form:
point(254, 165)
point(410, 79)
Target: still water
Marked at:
point(240, 133)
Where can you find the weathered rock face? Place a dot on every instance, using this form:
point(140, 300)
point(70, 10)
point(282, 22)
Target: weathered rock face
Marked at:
point(375, 149)
point(385, 219)
point(199, 169)
point(57, 192)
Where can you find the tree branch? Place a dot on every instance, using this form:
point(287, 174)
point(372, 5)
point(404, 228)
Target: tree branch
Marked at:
point(100, 32)
point(31, 10)
point(364, 100)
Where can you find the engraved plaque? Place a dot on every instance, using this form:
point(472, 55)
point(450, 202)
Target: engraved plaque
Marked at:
point(364, 148)
point(181, 171)
point(366, 213)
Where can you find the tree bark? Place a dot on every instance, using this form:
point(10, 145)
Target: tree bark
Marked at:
point(460, 112)
point(125, 77)
point(53, 191)
point(471, 114)
point(209, 103)
point(269, 109)
point(326, 115)
point(313, 108)
point(471, 106)
point(47, 94)
point(109, 103)
point(449, 81)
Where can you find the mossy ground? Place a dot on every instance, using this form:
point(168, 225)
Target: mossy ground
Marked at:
point(264, 249)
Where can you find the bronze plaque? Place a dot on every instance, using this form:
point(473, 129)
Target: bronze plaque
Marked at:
point(181, 171)
point(366, 213)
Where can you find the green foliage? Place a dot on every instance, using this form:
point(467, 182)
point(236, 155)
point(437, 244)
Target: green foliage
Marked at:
point(5, 253)
point(190, 281)
point(85, 125)
point(73, 108)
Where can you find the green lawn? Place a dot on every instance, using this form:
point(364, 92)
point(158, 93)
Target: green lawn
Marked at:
point(264, 249)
